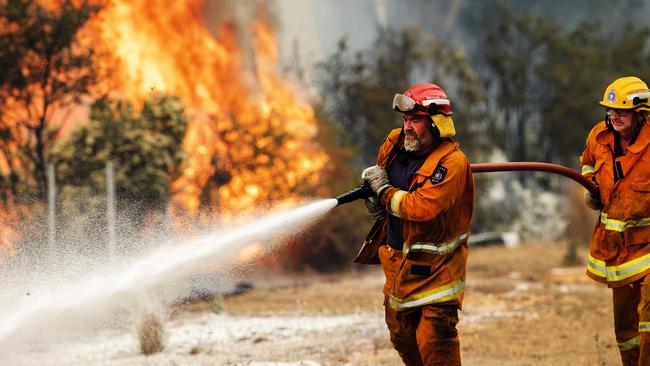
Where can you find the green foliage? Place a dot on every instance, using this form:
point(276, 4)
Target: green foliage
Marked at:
point(545, 81)
point(43, 71)
point(518, 47)
point(146, 151)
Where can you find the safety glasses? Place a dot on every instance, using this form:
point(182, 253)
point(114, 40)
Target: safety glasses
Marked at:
point(618, 112)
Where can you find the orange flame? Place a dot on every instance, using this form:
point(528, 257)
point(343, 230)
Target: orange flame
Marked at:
point(250, 140)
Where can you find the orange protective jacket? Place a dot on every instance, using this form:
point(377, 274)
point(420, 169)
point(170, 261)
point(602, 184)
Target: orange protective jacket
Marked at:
point(436, 213)
point(619, 253)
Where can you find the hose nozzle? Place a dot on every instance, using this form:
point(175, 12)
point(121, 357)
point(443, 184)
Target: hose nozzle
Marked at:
point(362, 191)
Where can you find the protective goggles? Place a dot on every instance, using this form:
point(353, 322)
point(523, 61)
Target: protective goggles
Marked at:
point(404, 104)
point(618, 111)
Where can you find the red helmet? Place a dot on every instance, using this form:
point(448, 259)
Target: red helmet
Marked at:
point(424, 99)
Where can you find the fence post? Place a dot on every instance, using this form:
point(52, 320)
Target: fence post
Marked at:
point(51, 208)
point(110, 208)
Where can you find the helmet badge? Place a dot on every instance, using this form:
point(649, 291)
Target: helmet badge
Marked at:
point(611, 96)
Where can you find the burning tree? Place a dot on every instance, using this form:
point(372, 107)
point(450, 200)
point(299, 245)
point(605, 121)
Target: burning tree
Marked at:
point(44, 70)
point(250, 139)
point(145, 145)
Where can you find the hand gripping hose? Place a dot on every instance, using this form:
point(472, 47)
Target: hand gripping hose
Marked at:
point(364, 190)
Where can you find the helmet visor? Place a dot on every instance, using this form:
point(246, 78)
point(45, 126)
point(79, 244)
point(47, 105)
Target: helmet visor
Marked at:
point(430, 107)
point(402, 103)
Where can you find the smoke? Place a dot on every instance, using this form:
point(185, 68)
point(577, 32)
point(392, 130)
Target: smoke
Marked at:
point(239, 17)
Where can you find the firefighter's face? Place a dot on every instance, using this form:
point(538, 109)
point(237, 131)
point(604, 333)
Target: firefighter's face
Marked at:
point(418, 133)
point(622, 120)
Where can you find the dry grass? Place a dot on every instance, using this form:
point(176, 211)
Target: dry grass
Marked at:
point(554, 316)
point(150, 334)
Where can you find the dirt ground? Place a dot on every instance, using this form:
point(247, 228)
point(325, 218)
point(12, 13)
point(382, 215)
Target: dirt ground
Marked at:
point(522, 307)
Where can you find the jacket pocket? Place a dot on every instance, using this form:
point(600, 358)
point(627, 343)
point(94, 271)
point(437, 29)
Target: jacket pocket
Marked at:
point(641, 186)
point(637, 235)
point(637, 206)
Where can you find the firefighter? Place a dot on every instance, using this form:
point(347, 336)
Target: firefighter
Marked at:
point(424, 203)
point(617, 159)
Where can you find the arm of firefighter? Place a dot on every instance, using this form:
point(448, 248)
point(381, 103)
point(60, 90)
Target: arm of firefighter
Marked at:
point(435, 195)
point(587, 167)
point(588, 159)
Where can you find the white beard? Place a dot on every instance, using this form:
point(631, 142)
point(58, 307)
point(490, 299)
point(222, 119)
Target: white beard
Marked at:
point(412, 143)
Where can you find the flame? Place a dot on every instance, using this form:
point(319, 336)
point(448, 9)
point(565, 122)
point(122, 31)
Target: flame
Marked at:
point(251, 140)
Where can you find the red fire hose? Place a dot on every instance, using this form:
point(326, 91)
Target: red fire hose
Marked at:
point(364, 190)
point(540, 167)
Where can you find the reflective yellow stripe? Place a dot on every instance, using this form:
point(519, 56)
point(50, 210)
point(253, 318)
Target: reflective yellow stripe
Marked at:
point(597, 267)
point(439, 248)
point(437, 295)
point(629, 344)
point(644, 327)
point(587, 169)
point(395, 201)
point(620, 226)
point(621, 271)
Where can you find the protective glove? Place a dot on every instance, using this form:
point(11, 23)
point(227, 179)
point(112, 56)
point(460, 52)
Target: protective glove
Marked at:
point(374, 208)
point(377, 178)
point(592, 202)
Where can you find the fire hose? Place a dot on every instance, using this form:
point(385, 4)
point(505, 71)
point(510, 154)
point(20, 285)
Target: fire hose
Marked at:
point(364, 190)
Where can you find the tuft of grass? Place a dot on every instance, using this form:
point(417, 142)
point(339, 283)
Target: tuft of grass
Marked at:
point(217, 304)
point(150, 334)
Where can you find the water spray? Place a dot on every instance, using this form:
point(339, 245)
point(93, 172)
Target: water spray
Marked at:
point(364, 190)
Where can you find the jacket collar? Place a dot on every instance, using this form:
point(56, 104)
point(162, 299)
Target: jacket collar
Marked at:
point(606, 137)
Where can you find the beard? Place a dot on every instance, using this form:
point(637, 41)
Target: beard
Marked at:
point(412, 143)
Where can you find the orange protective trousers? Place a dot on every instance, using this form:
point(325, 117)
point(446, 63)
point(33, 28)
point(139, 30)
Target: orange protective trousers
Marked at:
point(425, 335)
point(631, 307)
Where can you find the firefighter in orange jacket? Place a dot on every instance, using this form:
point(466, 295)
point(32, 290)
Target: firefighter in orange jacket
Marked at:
point(617, 158)
point(425, 190)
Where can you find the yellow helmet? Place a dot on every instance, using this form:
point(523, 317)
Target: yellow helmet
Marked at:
point(628, 92)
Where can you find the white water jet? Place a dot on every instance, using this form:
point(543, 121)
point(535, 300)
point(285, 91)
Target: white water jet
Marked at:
point(124, 286)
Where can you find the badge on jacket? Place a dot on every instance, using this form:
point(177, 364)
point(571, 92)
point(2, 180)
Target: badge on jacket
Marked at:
point(438, 174)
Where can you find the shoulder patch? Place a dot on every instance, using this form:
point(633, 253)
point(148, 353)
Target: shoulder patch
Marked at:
point(438, 174)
